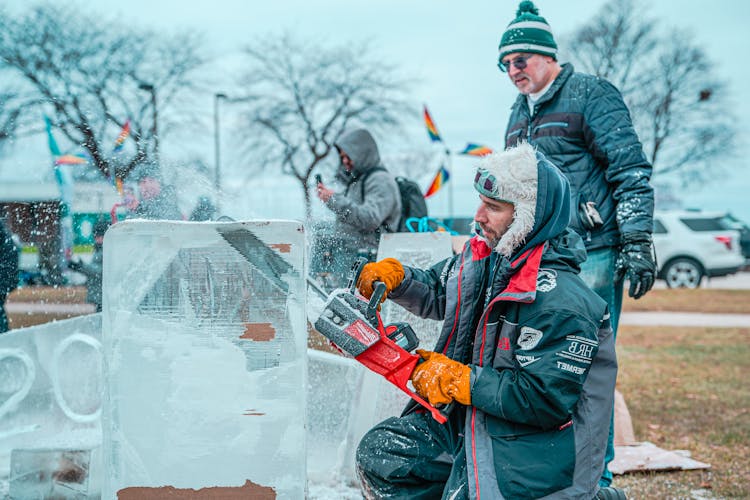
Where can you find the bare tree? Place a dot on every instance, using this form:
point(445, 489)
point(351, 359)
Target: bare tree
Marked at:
point(91, 76)
point(679, 107)
point(684, 116)
point(302, 96)
point(8, 116)
point(613, 44)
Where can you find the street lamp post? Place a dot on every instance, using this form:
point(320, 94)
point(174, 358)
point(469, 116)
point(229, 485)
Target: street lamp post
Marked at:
point(217, 146)
point(154, 132)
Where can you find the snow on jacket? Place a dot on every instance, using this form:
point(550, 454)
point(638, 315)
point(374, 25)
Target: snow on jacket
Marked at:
point(584, 127)
point(541, 352)
point(360, 213)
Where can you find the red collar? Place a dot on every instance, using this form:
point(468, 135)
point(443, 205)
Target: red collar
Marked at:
point(522, 285)
point(524, 280)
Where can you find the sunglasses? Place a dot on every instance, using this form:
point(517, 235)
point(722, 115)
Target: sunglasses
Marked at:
point(517, 62)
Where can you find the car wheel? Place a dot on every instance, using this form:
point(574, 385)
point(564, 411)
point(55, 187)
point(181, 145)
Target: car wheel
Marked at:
point(683, 273)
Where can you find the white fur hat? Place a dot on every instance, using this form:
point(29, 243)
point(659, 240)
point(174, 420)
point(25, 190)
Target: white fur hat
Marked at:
point(511, 176)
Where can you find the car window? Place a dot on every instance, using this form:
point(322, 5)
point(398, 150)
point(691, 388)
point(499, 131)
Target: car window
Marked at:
point(659, 227)
point(731, 222)
point(704, 223)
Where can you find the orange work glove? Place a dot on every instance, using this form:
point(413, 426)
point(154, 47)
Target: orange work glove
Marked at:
point(441, 380)
point(389, 271)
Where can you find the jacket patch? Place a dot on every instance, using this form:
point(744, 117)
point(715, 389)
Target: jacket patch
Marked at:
point(570, 368)
point(546, 280)
point(580, 349)
point(526, 360)
point(449, 270)
point(529, 338)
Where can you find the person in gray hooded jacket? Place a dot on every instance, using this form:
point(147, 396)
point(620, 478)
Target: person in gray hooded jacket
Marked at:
point(526, 353)
point(370, 202)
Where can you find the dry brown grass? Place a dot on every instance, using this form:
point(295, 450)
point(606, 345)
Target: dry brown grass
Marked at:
point(687, 389)
point(698, 300)
point(61, 294)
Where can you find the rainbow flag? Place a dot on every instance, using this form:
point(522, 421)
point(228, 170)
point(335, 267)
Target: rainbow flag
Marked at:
point(124, 133)
point(76, 159)
point(432, 130)
point(472, 149)
point(439, 181)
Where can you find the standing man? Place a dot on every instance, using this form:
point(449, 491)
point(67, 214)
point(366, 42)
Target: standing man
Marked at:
point(93, 270)
point(8, 271)
point(526, 352)
point(369, 204)
point(582, 125)
point(158, 200)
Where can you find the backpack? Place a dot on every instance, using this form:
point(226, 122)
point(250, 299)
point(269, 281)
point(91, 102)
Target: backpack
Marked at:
point(412, 200)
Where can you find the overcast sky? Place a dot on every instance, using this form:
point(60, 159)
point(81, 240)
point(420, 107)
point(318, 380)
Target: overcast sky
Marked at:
point(452, 50)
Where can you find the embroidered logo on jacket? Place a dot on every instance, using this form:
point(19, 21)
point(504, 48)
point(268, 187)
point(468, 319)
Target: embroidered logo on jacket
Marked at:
point(526, 360)
point(579, 349)
point(546, 280)
point(529, 338)
point(448, 271)
point(503, 344)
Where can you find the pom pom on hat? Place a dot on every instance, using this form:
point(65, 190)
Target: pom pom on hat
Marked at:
point(527, 6)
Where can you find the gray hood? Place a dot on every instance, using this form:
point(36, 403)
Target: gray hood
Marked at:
point(360, 146)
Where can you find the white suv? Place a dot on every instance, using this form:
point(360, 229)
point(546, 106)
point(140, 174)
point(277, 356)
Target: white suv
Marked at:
point(690, 245)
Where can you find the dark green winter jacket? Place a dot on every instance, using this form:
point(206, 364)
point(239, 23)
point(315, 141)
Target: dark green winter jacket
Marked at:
point(541, 351)
point(583, 126)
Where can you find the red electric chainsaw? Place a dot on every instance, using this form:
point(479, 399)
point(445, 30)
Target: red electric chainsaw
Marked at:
point(354, 325)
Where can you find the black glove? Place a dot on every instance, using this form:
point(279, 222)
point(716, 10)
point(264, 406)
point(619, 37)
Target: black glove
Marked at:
point(637, 263)
point(75, 265)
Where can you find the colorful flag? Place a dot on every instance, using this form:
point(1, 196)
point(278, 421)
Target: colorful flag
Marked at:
point(432, 130)
point(124, 133)
point(439, 181)
point(472, 149)
point(76, 159)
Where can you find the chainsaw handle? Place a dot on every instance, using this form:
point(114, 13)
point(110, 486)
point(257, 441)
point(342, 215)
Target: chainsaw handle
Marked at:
point(446, 410)
point(376, 298)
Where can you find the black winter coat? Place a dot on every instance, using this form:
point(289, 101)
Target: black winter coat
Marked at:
point(583, 126)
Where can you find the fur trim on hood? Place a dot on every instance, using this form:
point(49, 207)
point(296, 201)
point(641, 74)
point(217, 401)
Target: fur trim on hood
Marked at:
point(511, 176)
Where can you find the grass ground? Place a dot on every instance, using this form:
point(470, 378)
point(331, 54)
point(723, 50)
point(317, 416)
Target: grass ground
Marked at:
point(698, 300)
point(686, 389)
point(62, 294)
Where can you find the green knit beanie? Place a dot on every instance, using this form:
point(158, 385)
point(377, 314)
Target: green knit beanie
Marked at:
point(528, 32)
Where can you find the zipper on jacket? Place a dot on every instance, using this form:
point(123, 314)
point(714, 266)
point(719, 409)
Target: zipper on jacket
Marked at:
point(532, 114)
